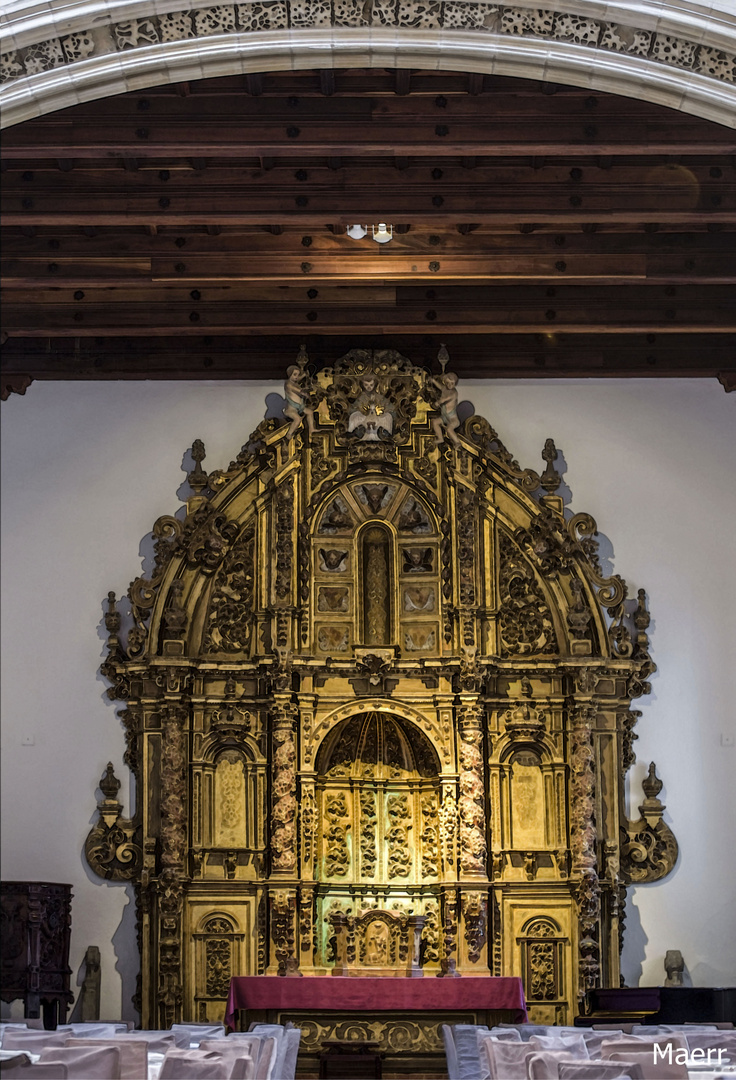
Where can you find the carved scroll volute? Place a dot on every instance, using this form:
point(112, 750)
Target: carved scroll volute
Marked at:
point(471, 808)
point(584, 873)
point(648, 846)
point(284, 804)
point(113, 846)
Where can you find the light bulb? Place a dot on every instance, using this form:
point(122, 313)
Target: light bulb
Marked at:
point(382, 232)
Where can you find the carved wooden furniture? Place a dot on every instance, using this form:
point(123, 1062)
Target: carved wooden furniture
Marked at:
point(36, 927)
point(374, 671)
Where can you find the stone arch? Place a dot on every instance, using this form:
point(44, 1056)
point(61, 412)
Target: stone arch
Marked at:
point(675, 59)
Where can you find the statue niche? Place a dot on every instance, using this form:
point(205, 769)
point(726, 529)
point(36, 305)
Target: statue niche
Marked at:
point(376, 552)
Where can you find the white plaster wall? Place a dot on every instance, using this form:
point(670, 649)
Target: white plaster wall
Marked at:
point(88, 467)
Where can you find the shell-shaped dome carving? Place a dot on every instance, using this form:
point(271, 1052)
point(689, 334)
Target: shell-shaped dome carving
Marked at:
point(379, 745)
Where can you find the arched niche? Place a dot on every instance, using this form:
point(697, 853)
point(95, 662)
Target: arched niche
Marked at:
point(377, 566)
point(378, 803)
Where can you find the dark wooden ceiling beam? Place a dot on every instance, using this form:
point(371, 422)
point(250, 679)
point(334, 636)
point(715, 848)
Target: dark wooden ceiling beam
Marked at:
point(327, 81)
point(503, 193)
point(550, 354)
point(441, 134)
point(361, 266)
point(119, 243)
point(412, 312)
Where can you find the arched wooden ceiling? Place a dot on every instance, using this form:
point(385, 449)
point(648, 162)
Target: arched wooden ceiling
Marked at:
point(198, 230)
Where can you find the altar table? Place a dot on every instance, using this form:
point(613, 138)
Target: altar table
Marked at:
point(342, 994)
point(403, 1017)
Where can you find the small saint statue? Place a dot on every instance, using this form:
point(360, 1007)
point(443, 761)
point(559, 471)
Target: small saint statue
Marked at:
point(447, 423)
point(674, 965)
point(371, 419)
point(297, 393)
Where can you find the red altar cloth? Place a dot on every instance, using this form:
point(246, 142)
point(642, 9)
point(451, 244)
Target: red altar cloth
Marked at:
point(344, 994)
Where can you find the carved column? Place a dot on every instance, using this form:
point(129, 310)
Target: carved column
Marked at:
point(471, 805)
point(171, 884)
point(448, 960)
point(448, 816)
point(284, 804)
point(283, 912)
point(584, 873)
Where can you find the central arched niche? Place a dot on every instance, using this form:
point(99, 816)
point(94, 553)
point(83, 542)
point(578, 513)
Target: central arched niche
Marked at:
point(378, 792)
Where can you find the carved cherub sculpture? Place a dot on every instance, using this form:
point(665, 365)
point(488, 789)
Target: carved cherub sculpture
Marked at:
point(447, 423)
point(297, 393)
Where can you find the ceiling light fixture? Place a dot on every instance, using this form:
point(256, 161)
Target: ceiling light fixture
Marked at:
point(382, 232)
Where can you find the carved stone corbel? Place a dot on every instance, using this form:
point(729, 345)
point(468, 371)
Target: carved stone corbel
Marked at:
point(648, 846)
point(113, 847)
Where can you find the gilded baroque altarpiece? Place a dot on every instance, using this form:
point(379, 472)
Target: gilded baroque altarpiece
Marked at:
point(378, 703)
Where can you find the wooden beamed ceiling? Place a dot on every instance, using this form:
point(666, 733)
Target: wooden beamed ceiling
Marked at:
point(199, 230)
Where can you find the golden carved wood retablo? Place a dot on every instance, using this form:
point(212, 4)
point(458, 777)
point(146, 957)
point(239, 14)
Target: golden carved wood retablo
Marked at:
point(378, 704)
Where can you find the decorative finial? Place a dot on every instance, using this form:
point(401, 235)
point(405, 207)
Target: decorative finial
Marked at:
point(642, 618)
point(550, 478)
point(198, 477)
point(444, 357)
point(109, 784)
point(302, 357)
point(652, 785)
point(112, 615)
